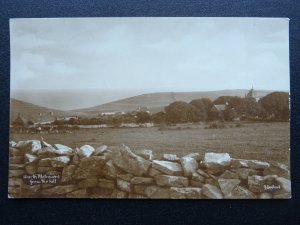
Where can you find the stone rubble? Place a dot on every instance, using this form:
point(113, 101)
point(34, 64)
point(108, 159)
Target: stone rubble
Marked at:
point(119, 172)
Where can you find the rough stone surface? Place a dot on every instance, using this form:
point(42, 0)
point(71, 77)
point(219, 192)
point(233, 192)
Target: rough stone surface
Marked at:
point(202, 173)
point(171, 181)
point(229, 175)
point(15, 152)
point(145, 153)
point(194, 183)
point(125, 159)
point(157, 192)
point(252, 164)
point(63, 149)
point(67, 173)
point(198, 177)
point(284, 184)
point(260, 183)
point(110, 170)
point(153, 172)
point(126, 177)
point(119, 194)
point(240, 193)
point(170, 168)
point(142, 180)
point(117, 172)
point(87, 183)
point(90, 166)
point(77, 194)
point(265, 195)
point(216, 162)
point(170, 157)
point(243, 173)
point(85, 151)
point(16, 159)
point(123, 185)
point(211, 191)
point(100, 150)
point(59, 190)
point(189, 166)
point(104, 183)
point(140, 189)
point(278, 169)
point(185, 193)
point(30, 146)
point(227, 185)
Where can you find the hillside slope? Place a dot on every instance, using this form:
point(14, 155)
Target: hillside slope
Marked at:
point(157, 101)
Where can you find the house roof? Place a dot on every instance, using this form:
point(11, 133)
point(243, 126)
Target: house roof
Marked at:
point(220, 107)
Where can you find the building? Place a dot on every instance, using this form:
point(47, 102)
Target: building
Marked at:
point(19, 121)
point(252, 94)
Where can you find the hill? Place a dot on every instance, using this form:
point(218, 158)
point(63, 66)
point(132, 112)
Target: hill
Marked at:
point(33, 112)
point(157, 101)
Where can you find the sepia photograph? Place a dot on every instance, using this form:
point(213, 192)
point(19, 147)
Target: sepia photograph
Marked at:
point(149, 108)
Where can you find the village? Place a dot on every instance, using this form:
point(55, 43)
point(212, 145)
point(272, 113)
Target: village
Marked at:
point(251, 107)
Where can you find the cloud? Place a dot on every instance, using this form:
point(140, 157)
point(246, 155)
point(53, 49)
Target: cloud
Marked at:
point(158, 54)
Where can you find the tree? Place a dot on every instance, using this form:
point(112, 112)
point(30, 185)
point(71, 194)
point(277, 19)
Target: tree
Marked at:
point(143, 117)
point(159, 117)
point(181, 112)
point(203, 106)
point(276, 104)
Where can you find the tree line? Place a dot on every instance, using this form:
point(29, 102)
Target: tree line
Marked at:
point(272, 107)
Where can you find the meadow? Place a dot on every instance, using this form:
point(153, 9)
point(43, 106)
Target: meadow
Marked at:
point(261, 141)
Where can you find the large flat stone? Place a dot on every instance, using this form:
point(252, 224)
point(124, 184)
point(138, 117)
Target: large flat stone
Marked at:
point(142, 180)
point(60, 161)
point(216, 162)
point(227, 185)
point(170, 157)
point(63, 149)
point(67, 173)
point(170, 168)
point(171, 181)
point(189, 166)
point(104, 183)
point(156, 192)
point(185, 193)
point(211, 191)
point(252, 164)
point(126, 160)
point(100, 150)
point(90, 166)
point(85, 151)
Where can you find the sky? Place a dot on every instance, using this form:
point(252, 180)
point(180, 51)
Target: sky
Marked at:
point(144, 55)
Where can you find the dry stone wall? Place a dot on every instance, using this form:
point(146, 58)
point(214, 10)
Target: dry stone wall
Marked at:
point(38, 169)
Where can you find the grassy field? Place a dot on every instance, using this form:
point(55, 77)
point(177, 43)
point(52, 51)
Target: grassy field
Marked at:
point(261, 141)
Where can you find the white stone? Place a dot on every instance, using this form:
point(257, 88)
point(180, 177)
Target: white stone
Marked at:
point(189, 166)
point(170, 168)
point(85, 151)
point(100, 150)
point(126, 160)
point(63, 149)
point(170, 157)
